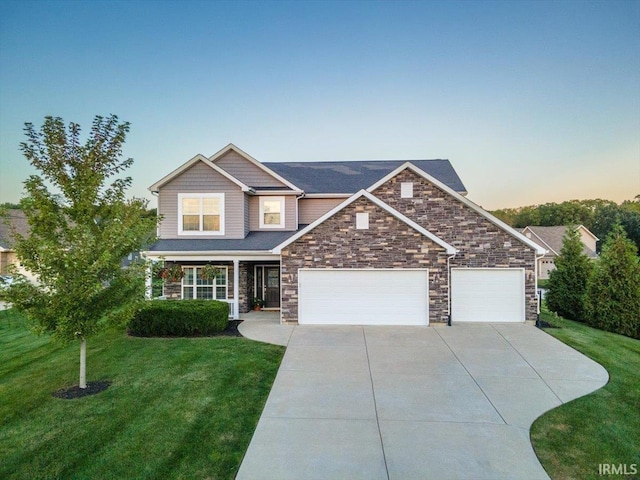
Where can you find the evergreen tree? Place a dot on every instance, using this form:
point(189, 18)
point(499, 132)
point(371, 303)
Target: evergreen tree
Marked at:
point(568, 282)
point(613, 294)
point(79, 232)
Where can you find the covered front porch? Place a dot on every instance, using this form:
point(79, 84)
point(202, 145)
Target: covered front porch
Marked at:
point(241, 281)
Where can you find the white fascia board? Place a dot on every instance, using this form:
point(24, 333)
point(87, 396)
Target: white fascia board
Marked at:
point(258, 255)
point(363, 193)
point(279, 193)
point(258, 164)
point(176, 172)
point(588, 231)
point(497, 222)
point(327, 195)
point(185, 166)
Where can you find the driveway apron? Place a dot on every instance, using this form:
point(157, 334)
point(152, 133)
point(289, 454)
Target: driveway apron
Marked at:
point(369, 402)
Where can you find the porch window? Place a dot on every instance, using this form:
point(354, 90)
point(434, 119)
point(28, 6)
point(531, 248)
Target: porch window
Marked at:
point(271, 212)
point(197, 288)
point(200, 213)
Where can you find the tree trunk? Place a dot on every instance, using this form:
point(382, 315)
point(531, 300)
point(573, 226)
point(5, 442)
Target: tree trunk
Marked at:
point(83, 363)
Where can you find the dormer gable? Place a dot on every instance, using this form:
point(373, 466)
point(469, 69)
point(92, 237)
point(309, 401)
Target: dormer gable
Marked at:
point(249, 170)
point(190, 163)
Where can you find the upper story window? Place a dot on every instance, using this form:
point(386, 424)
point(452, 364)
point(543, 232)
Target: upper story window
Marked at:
point(201, 213)
point(271, 212)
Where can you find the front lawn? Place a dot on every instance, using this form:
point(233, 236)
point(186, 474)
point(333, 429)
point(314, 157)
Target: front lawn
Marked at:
point(176, 408)
point(573, 440)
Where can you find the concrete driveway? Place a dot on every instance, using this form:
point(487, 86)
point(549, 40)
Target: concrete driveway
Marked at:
point(411, 402)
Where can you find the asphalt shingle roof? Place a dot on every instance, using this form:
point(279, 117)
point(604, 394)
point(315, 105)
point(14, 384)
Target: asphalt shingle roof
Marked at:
point(552, 237)
point(15, 219)
point(254, 241)
point(352, 176)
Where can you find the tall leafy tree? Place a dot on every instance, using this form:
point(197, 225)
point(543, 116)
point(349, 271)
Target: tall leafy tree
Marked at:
point(81, 227)
point(613, 294)
point(568, 282)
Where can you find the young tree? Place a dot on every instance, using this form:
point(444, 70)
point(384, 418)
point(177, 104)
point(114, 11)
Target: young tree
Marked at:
point(79, 234)
point(613, 294)
point(568, 282)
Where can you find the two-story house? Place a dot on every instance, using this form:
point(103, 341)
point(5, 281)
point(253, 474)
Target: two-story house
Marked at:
point(362, 242)
point(551, 238)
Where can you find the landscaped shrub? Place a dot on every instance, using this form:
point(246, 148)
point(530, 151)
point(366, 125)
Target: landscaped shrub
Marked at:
point(567, 284)
point(613, 294)
point(180, 318)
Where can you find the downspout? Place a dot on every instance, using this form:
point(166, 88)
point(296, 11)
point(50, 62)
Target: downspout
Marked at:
point(236, 289)
point(449, 258)
point(538, 296)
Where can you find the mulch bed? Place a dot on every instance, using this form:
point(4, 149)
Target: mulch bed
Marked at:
point(232, 329)
point(77, 392)
point(543, 324)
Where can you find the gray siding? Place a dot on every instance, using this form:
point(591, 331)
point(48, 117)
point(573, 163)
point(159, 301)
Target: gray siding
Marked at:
point(202, 179)
point(311, 209)
point(289, 211)
point(246, 172)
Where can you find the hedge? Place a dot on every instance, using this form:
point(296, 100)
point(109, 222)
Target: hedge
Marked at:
point(180, 318)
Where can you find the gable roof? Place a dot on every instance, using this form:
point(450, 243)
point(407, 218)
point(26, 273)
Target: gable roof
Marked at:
point(188, 164)
point(255, 162)
point(363, 193)
point(479, 210)
point(351, 176)
point(552, 237)
point(13, 220)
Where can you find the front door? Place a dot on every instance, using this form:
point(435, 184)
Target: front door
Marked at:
point(268, 285)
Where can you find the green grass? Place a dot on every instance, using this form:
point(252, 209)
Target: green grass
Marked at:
point(176, 408)
point(603, 427)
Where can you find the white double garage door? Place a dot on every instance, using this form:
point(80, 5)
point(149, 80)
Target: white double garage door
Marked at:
point(401, 296)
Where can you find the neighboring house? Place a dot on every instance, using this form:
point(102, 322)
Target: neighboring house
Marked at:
point(13, 219)
point(550, 238)
point(362, 242)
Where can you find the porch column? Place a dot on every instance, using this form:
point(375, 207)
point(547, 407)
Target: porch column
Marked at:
point(148, 278)
point(236, 289)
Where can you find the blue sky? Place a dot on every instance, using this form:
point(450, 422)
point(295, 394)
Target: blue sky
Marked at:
point(531, 101)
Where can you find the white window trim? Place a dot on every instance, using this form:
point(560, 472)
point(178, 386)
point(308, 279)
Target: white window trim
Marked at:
point(261, 201)
point(194, 287)
point(406, 189)
point(201, 196)
point(362, 221)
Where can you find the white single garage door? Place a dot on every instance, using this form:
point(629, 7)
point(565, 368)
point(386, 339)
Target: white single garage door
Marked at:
point(487, 295)
point(363, 297)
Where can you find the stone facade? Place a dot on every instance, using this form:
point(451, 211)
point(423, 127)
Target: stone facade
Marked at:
point(388, 243)
point(481, 243)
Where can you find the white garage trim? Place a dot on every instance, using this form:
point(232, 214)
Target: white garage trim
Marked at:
point(487, 295)
point(356, 296)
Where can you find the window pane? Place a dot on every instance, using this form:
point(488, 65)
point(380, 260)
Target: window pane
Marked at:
point(204, 293)
point(211, 206)
point(272, 219)
point(187, 293)
point(211, 223)
point(221, 293)
point(190, 223)
point(188, 276)
point(191, 206)
point(221, 278)
point(271, 206)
